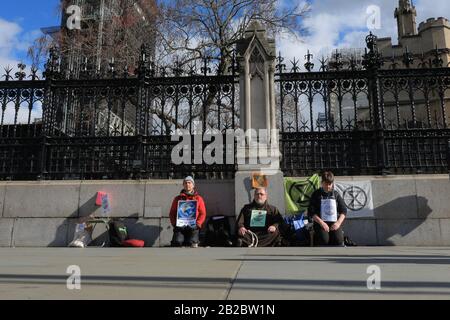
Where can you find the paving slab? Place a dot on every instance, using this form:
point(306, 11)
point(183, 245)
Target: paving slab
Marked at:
point(226, 273)
point(342, 273)
point(6, 228)
point(122, 273)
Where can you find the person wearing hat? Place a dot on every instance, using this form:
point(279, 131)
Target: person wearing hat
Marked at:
point(187, 233)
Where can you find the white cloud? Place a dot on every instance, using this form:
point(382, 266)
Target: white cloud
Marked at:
point(13, 40)
point(9, 35)
point(343, 24)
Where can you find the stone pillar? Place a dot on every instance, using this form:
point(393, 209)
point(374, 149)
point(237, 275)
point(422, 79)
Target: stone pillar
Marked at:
point(260, 152)
point(256, 56)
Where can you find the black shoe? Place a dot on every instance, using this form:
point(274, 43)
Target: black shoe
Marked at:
point(349, 243)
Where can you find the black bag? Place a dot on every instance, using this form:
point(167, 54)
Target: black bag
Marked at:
point(296, 236)
point(218, 232)
point(118, 233)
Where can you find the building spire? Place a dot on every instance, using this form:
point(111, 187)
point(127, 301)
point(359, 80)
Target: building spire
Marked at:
point(405, 4)
point(406, 19)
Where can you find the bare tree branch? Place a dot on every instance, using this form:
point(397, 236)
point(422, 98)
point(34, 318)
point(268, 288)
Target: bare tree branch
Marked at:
point(198, 28)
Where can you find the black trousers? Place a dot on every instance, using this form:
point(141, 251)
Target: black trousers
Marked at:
point(184, 236)
point(323, 238)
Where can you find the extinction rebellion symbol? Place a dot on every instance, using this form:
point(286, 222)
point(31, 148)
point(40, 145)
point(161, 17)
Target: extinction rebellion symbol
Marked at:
point(355, 198)
point(299, 192)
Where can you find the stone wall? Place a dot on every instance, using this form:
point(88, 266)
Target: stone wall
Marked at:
point(409, 210)
point(40, 214)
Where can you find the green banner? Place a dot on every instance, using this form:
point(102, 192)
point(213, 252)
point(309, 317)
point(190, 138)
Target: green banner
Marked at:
point(298, 193)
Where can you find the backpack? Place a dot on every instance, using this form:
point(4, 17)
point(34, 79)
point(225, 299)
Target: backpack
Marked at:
point(218, 232)
point(296, 230)
point(118, 233)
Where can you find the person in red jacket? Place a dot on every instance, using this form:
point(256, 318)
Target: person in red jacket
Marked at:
point(185, 231)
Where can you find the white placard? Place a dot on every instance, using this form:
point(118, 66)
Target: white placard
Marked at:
point(328, 210)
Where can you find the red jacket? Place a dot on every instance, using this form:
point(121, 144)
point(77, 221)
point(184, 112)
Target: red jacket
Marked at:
point(201, 209)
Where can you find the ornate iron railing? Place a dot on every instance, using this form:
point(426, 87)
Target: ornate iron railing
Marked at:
point(366, 118)
point(102, 126)
point(353, 118)
point(134, 157)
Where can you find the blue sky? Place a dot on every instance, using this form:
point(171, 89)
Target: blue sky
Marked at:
point(32, 14)
point(29, 16)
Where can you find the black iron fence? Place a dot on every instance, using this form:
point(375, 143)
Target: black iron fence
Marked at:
point(364, 118)
point(133, 157)
point(111, 126)
point(353, 118)
point(357, 152)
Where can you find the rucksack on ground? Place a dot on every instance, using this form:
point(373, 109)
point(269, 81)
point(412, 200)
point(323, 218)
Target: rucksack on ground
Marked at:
point(296, 230)
point(118, 233)
point(218, 232)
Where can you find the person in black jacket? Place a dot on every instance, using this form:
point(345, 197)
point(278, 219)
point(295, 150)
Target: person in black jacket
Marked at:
point(259, 223)
point(328, 210)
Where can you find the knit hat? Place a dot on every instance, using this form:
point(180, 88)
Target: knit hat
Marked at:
point(189, 178)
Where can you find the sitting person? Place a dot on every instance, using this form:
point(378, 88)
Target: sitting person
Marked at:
point(185, 233)
point(258, 223)
point(328, 210)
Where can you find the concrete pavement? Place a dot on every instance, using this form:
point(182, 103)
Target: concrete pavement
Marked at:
point(226, 273)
